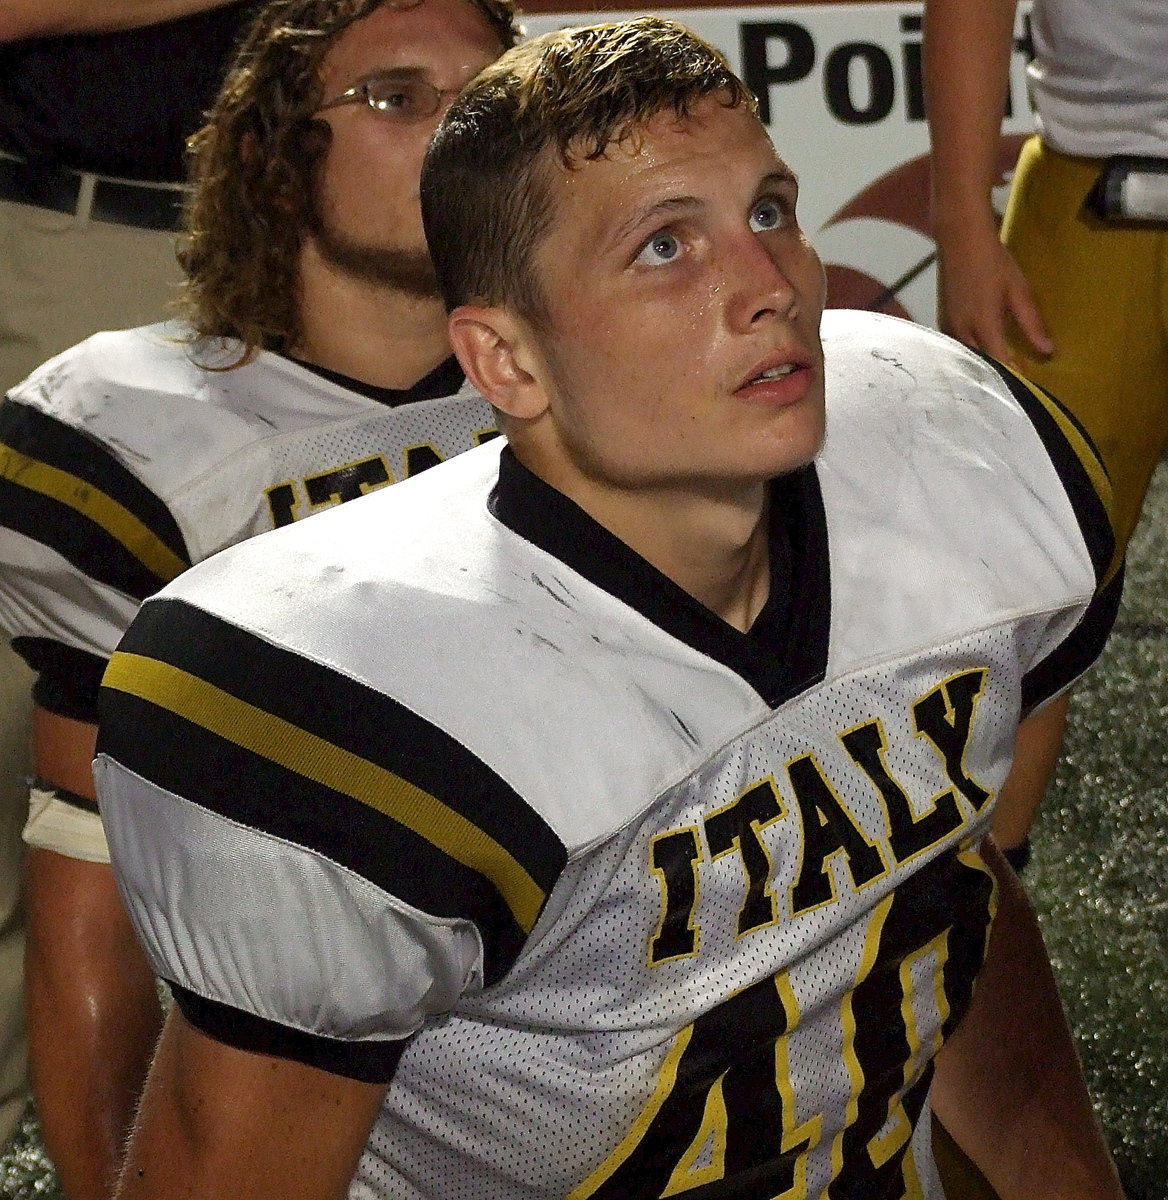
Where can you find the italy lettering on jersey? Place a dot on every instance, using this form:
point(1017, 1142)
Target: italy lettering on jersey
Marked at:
point(450, 789)
point(129, 457)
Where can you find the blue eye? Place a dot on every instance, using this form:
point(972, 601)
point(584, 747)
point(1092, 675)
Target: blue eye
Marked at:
point(661, 248)
point(766, 214)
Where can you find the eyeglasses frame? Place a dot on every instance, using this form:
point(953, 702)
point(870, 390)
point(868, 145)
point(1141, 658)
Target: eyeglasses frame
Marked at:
point(360, 92)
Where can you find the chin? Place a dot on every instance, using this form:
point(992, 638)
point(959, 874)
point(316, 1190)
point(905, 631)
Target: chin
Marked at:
point(796, 452)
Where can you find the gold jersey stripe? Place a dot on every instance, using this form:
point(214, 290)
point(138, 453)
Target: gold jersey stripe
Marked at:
point(313, 757)
point(1085, 453)
point(666, 1082)
point(117, 520)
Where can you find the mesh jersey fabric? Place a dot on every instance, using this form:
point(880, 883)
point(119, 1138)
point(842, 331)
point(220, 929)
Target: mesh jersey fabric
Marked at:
point(449, 789)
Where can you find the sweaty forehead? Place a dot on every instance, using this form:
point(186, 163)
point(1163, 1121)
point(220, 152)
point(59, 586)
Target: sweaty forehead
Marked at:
point(667, 154)
point(710, 132)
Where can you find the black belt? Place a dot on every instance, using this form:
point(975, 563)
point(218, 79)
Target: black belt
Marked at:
point(116, 201)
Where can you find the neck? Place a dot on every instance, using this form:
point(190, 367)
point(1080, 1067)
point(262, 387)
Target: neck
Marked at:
point(370, 332)
point(715, 545)
point(718, 550)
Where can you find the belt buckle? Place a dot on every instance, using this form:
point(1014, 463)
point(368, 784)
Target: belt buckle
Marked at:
point(1131, 188)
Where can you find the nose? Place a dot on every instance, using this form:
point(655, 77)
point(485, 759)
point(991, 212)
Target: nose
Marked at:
point(762, 280)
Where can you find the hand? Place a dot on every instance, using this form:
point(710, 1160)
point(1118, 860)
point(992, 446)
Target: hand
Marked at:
point(980, 289)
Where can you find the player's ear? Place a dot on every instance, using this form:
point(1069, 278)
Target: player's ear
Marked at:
point(500, 358)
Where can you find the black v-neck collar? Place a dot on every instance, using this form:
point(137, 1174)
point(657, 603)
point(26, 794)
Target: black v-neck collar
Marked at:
point(444, 380)
point(785, 650)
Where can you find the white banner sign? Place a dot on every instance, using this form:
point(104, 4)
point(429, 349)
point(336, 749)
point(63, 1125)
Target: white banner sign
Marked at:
point(841, 93)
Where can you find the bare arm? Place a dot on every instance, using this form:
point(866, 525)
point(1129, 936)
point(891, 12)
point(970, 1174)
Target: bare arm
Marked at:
point(1008, 1086)
point(967, 62)
point(216, 1121)
point(45, 18)
point(92, 1008)
point(1036, 753)
point(63, 751)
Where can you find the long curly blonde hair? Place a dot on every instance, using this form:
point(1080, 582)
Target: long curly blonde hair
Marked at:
point(253, 171)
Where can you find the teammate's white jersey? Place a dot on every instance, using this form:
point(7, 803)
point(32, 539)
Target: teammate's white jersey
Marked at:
point(450, 788)
point(1098, 77)
point(124, 460)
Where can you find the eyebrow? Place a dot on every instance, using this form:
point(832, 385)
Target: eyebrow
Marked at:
point(648, 216)
point(673, 205)
point(776, 177)
point(394, 73)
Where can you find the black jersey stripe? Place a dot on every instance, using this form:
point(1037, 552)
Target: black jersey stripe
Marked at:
point(187, 759)
point(85, 527)
point(52, 474)
point(302, 753)
point(1078, 464)
point(265, 737)
point(368, 1061)
point(352, 716)
point(47, 440)
point(1078, 651)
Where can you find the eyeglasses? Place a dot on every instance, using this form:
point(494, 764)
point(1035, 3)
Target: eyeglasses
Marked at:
point(399, 96)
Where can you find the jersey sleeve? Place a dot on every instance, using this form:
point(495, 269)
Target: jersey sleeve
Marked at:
point(83, 541)
point(1085, 481)
point(317, 870)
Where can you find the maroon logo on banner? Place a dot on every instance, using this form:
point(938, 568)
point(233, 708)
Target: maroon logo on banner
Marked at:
point(901, 197)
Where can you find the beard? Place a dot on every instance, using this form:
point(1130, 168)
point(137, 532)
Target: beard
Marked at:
point(402, 270)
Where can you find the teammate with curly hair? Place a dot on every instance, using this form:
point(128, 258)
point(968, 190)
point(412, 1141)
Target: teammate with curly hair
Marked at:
point(312, 366)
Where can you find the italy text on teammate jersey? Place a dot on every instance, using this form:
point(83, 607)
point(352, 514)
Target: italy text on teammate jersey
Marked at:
point(123, 461)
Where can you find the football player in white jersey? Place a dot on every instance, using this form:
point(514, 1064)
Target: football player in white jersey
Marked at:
point(314, 366)
point(605, 814)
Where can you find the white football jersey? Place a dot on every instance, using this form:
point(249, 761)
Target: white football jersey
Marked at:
point(451, 789)
point(128, 458)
